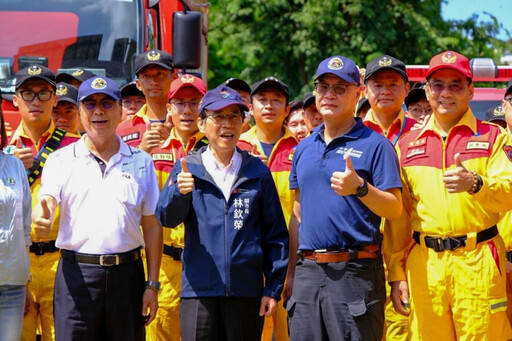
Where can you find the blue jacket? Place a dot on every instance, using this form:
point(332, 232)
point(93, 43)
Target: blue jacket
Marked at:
point(229, 246)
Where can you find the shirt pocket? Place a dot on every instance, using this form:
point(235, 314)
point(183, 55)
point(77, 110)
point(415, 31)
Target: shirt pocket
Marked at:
point(127, 189)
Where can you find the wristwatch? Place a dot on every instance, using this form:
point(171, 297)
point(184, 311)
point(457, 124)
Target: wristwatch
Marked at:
point(153, 285)
point(362, 190)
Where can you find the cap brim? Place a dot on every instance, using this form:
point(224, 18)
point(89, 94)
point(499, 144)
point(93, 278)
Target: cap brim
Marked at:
point(238, 84)
point(446, 66)
point(52, 83)
point(346, 78)
point(67, 99)
point(224, 104)
point(165, 66)
point(270, 84)
point(401, 72)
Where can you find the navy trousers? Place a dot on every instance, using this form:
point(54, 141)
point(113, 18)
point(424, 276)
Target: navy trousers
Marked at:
point(337, 301)
point(93, 302)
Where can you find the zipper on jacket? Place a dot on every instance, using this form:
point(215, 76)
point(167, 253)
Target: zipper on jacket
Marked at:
point(226, 244)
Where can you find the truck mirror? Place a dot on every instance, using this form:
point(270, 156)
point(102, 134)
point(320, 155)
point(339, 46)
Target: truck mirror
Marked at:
point(186, 40)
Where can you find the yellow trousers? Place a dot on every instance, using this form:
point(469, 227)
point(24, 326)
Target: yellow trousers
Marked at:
point(43, 270)
point(166, 326)
point(460, 294)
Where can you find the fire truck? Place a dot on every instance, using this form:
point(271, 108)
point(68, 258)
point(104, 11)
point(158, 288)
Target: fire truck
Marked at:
point(489, 80)
point(102, 36)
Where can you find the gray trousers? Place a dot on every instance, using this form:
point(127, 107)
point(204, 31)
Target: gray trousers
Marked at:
point(337, 301)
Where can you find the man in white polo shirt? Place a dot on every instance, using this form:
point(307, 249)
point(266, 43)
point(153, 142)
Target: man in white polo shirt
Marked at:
point(105, 190)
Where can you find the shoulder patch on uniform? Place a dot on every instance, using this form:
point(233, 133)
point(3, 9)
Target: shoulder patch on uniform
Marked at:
point(508, 151)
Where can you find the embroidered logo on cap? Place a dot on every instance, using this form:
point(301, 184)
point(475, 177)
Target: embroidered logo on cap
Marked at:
point(99, 83)
point(153, 55)
point(335, 63)
point(187, 79)
point(77, 73)
point(226, 94)
point(35, 70)
point(498, 111)
point(61, 90)
point(449, 57)
point(385, 61)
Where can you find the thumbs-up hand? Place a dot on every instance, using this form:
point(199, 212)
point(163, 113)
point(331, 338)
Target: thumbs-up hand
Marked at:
point(163, 129)
point(185, 179)
point(24, 154)
point(42, 218)
point(262, 157)
point(346, 182)
point(151, 138)
point(459, 179)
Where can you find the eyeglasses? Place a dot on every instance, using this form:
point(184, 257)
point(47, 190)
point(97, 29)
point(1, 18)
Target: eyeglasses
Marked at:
point(106, 103)
point(339, 89)
point(453, 87)
point(419, 110)
point(218, 118)
point(128, 102)
point(181, 105)
point(509, 100)
point(43, 96)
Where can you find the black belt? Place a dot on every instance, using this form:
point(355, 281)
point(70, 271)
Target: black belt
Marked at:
point(43, 247)
point(173, 251)
point(452, 243)
point(509, 256)
point(103, 260)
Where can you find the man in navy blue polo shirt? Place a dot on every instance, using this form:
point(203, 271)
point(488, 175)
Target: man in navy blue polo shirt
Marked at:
point(346, 177)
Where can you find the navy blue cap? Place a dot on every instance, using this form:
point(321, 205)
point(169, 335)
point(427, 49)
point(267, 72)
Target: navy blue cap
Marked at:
point(340, 66)
point(67, 93)
point(153, 57)
point(99, 85)
point(238, 84)
point(221, 97)
point(385, 62)
point(80, 75)
point(35, 71)
point(272, 83)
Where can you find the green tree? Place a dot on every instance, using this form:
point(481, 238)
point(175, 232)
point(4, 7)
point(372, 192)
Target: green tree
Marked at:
point(252, 39)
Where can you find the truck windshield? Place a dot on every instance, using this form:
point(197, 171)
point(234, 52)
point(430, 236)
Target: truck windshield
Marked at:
point(102, 36)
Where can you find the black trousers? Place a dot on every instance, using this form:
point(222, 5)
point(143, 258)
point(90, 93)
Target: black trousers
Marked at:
point(221, 319)
point(337, 301)
point(92, 302)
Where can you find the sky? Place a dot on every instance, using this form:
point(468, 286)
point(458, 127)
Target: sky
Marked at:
point(463, 9)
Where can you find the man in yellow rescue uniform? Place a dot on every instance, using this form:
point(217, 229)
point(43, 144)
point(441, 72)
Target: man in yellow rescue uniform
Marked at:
point(386, 86)
point(183, 102)
point(275, 144)
point(457, 178)
point(33, 141)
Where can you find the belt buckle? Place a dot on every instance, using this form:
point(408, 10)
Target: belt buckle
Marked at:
point(438, 244)
point(454, 243)
point(109, 260)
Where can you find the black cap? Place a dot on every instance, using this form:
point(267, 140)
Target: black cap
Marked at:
point(80, 75)
point(238, 84)
point(509, 87)
point(153, 57)
point(385, 62)
point(362, 104)
point(414, 96)
point(67, 93)
point(308, 100)
point(35, 71)
point(272, 83)
point(495, 114)
point(130, 89)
